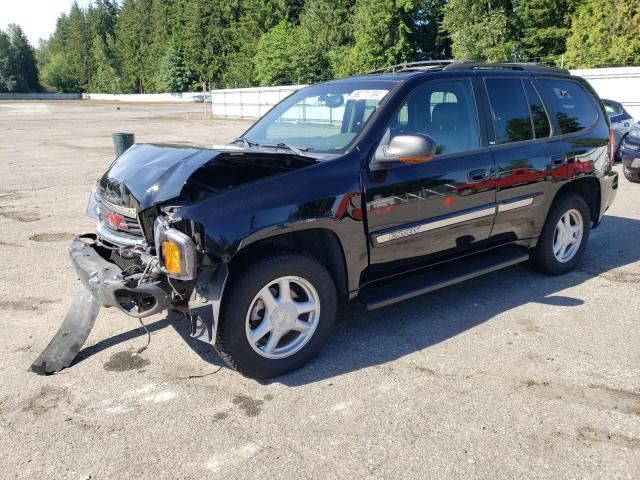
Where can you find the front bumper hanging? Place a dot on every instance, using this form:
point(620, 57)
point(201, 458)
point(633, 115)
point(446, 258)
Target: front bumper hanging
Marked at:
point(71, 335)
point(108, 285)
point(104, 285)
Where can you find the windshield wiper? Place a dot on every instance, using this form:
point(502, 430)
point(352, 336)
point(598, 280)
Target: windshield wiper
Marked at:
point(247, 143)
point(296, 150)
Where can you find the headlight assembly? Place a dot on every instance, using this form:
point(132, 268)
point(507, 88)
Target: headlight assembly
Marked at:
point(176, 251)
point(634, 132)
point(93, 208)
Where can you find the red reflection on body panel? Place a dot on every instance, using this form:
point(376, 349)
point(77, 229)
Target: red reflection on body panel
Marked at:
point(343, 210)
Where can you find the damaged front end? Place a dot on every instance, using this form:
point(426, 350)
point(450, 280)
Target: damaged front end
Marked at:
point(125, 271)
point(145, 258)
point(137, 260)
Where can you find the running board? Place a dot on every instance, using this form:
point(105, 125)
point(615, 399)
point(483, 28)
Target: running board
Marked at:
point(441, 276)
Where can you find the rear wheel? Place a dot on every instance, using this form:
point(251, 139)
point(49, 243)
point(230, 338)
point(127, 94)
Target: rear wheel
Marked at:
point(564, 236)
point(277, 315)
point(631, 176)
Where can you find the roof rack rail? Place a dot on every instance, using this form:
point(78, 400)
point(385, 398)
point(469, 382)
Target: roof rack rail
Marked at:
point(412, 66)
point(526, 67)
point(427, 65)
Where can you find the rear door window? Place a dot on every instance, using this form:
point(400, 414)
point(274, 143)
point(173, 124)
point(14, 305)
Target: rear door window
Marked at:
point(510, 110)
point(569, 104)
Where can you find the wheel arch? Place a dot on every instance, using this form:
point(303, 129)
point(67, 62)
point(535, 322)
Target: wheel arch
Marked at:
point(589, 189)
point(320, 243)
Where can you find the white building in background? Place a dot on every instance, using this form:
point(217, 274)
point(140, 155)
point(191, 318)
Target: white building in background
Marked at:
point(619, 84)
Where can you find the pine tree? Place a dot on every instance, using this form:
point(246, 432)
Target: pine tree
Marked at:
point(174, 77)
point(285, 56)
point(604, 33)
point(383, 34)
point(431, 42)
point(326, 29)
point(7, 78)
point(625, 41)
point(24, 68)
point(135, 45)
point(248, 21)
point(77, 45)
point(105, 78)
point(545, 26)
point(480, 29)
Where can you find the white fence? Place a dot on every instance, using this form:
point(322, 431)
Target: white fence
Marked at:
point(146, 97)
point(248, 102)
point(620, 84)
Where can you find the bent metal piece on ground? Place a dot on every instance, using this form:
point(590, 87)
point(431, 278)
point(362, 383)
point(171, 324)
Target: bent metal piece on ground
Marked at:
point(372, 189)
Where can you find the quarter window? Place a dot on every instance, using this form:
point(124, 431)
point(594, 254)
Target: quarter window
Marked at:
point(511, 117)
point(569, 103)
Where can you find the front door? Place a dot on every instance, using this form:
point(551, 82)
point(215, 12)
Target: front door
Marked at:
point(445, 206)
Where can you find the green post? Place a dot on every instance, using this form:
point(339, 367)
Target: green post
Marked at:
point(122, 141)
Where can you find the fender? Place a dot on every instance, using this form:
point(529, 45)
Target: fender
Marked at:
point(278, 205)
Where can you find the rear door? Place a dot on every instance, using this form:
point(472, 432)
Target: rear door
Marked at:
point(445, 206)
point(528, 159)
point(538, 146)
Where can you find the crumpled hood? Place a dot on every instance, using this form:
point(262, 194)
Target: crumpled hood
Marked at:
point(147, 174)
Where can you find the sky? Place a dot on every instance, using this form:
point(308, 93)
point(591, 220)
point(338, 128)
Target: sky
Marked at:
point(36, 17)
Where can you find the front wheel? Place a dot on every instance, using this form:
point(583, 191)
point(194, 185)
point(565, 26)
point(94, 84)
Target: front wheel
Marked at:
point(564, 236)
point(276, 315)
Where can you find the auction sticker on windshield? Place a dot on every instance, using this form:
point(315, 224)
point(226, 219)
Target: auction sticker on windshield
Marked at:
point(367, 94)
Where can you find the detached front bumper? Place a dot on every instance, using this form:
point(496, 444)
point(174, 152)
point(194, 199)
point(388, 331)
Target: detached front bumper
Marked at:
point(110, 287)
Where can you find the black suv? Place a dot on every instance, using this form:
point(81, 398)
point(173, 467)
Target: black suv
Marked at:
point(373, 189)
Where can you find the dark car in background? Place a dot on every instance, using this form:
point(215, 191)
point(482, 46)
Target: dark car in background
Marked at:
point(629, 154)
point(621, 123)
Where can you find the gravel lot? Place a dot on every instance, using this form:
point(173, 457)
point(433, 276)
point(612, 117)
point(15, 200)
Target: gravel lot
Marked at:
point(513, 375)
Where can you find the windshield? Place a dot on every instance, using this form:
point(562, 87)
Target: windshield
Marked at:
point(324, 118)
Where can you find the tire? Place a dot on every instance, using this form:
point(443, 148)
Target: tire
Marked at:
point(244, 310)
point(633, 177)
point(543, 258)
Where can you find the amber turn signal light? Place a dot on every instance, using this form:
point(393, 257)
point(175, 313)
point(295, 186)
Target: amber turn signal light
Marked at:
point(171, 257)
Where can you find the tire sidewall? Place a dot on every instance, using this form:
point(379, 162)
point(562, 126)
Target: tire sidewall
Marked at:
point(544, 256)
point(231, 330)
point(633, 177)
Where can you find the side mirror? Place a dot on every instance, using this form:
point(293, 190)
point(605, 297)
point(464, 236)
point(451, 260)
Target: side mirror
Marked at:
point(404, 149)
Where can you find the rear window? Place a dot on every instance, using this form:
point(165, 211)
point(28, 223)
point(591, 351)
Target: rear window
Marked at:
point(569, 104)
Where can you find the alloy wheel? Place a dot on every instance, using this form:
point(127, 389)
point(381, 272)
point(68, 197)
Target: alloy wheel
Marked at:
point(567, 236)
point(282, 317)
